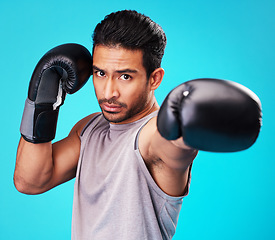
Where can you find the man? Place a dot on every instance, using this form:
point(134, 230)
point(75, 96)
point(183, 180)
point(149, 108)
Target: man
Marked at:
point(131, 162)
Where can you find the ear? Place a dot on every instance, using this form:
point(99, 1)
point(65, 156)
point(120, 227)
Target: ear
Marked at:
point(156, 78)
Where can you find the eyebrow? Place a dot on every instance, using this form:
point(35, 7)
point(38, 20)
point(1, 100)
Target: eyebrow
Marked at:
point(127, 70)
point(97, 68)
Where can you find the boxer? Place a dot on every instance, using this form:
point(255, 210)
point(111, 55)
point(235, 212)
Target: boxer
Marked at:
point(132, 161)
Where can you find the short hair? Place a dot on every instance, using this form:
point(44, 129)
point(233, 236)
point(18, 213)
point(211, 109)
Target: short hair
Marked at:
point(134, 31)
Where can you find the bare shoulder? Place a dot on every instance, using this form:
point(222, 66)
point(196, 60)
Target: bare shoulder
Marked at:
point(78, 127)
point(145, 137)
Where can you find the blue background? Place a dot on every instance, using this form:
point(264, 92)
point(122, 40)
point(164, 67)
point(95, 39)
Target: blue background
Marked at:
point(232, 195)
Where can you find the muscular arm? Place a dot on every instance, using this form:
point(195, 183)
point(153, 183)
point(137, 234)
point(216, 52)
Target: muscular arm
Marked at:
point(167, 161)
point(40, 167)
point(204, 114)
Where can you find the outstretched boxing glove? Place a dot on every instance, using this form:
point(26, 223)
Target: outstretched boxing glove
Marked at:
point(211, 115)
point(64, 69)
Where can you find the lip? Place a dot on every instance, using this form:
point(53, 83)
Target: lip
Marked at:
point(111, 107)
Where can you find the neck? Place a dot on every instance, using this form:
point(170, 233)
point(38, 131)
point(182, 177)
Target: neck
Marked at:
point(151, 107)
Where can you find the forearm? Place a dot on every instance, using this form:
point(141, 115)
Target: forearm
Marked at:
point(40, 165)
point(34, 167)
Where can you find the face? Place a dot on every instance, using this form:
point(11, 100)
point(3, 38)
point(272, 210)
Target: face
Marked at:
point(120, 83)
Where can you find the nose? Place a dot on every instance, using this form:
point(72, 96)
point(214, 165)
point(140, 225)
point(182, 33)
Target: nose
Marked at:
point(110, 90)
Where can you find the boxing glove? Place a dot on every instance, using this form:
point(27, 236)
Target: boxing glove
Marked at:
point(64, 69)
point(211, 115)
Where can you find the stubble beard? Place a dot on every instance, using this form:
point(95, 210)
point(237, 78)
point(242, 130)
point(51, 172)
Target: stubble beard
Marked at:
point(116, 117)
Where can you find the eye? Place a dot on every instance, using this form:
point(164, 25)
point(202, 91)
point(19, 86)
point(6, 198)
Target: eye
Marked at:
point(99, 73)
point(125, 77)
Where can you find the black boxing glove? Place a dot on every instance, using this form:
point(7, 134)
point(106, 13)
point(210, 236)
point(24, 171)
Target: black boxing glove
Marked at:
point(64, 69)
point(211, 115)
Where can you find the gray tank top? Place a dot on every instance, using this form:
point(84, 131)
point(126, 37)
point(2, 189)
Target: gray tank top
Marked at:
point(115, 196)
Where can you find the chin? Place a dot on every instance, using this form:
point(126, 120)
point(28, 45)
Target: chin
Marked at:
point(114, 117)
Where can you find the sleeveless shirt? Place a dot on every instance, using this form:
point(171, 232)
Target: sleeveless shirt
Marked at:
point(115, 196)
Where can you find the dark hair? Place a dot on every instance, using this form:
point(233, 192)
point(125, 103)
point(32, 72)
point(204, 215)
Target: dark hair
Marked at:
point(132, 30)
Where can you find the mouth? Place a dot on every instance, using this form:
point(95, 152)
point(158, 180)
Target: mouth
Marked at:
point(111, 108)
